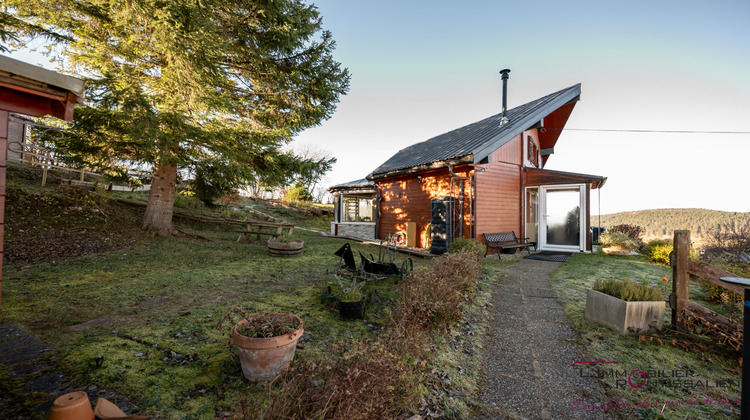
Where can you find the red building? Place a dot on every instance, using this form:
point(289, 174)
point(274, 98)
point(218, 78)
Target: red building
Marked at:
point(489, 177)
point(32, 91)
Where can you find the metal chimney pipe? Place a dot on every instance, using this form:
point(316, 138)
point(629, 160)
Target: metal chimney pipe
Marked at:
point(504, 77)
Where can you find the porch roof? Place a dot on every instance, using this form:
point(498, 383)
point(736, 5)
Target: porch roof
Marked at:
point(360, 185)
point(534, 177)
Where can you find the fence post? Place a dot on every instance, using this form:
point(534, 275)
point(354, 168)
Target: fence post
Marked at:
point(680, 277)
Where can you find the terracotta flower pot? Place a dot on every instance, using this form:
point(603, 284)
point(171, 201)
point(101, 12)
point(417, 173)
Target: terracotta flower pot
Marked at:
point(264, 359)
point(72, 406)
point(615, 250)
point(293, 247)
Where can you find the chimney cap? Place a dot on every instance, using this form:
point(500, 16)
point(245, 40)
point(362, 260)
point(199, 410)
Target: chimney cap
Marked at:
point(505, 72)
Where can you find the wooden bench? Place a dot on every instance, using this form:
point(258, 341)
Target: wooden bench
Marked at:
point(506, 240)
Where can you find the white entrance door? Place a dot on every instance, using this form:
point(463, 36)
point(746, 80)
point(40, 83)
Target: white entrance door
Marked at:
point(561, 225)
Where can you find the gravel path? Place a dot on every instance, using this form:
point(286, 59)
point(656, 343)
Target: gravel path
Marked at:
point(528, 352)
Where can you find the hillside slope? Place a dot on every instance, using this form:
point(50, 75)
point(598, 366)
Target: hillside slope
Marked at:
point(659, 223)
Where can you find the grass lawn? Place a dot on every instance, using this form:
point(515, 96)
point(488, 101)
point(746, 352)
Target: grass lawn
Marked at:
point(169, 357)
point(681, 384)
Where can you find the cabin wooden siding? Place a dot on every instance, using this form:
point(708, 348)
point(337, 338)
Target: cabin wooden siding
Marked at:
point(499, 188)
point(406, 199)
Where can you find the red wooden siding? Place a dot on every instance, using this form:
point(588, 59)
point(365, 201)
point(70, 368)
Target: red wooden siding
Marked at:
point(498, 191)
point(510, 152)
point(3, 156)
point(405, 199)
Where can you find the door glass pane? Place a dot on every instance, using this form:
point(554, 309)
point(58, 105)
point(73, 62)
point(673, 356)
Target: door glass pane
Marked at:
point(531, 209)
point(563, 217)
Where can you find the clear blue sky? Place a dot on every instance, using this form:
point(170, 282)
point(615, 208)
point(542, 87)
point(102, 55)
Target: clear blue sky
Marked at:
point(421, 68)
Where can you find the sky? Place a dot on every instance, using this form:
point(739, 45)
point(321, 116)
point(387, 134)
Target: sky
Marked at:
point(422, 68)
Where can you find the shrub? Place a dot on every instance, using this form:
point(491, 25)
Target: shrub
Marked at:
point(611, 238)
point(628, 290)
point(363, 382)
point(433, 297)
point(633, 231)
point(467, 245)
point(658, 250)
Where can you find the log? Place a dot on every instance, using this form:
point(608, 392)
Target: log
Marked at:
point(712, 316)
point(712, 274)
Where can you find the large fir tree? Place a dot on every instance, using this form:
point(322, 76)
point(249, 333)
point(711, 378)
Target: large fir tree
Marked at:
point(187, 83)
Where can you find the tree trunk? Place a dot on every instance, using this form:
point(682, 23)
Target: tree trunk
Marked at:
point(158, 216)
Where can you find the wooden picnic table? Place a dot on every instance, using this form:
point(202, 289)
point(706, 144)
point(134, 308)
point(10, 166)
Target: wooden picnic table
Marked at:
point(271, 229)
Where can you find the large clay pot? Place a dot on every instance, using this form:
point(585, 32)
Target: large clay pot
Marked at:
point(72, 406)
point(293, 247)
point(264, 359)
point(615, 250)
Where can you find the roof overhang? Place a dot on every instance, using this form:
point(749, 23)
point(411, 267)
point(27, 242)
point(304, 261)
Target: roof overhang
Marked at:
point(465, 160)
point(519, 126)
point(32, 90)
point(549, 177)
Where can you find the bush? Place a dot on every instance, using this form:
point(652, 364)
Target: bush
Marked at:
point(467, 245)
point(628, 290)
point(612, 238)
point(433, 297)
point(658, 250)
point(365, 381)
point(632, 231)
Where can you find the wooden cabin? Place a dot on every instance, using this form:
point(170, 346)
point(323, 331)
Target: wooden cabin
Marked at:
point(489, 177)
point(32, 91)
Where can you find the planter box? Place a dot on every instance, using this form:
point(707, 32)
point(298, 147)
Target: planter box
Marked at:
point(623, 317)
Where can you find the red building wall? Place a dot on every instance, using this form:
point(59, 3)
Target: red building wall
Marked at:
point(499, 189)
point(407, 199)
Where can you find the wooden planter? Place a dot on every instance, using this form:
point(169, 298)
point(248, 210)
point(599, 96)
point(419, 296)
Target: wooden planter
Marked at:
point(623, 317)
point(293, 247)
point(264, 359)
point(615, 250)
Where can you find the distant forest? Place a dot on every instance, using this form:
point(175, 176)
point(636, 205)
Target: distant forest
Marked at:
point(661, 223)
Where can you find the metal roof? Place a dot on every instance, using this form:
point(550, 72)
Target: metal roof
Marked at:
point(474, 142)
point(28, 71)
point(358, 184)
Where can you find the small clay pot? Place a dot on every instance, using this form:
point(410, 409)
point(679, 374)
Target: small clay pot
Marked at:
point(72, 406)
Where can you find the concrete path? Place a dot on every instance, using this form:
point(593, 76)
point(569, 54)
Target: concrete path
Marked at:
point(528, 352)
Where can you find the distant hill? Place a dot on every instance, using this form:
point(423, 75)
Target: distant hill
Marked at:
point(661, 223)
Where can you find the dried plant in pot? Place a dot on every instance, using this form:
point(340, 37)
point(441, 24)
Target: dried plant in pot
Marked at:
point(285, 245)
point(351, 298)
point(266, 343)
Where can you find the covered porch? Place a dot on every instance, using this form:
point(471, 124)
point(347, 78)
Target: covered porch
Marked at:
point(354, 212)
point(557, 209)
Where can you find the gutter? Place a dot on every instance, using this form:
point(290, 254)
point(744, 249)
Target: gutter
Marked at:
point(464, 160)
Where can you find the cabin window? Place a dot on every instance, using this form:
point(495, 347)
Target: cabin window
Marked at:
point(532, 152)
point(357, 209)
